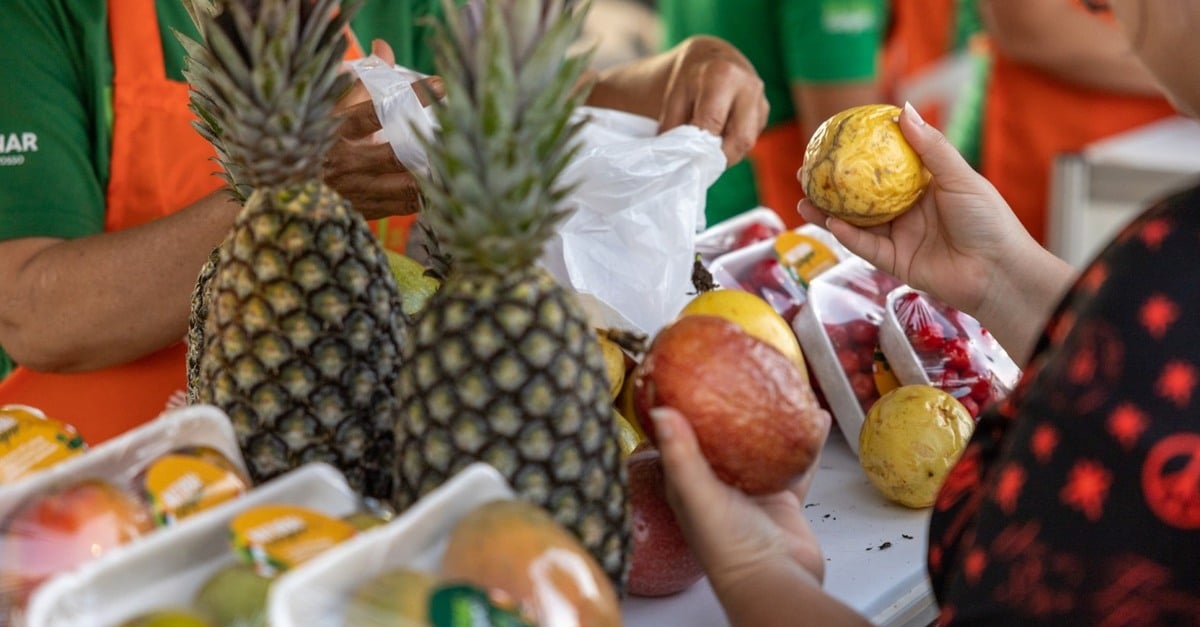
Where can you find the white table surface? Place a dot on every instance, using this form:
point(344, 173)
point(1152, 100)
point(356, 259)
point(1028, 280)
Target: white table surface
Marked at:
point(1169, 145)
point(853, 522)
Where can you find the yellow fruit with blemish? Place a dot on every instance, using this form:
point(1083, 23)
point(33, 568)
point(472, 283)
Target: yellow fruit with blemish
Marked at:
point(909, 441)
point(754, 315)
point(858, 166)
point(614, 364)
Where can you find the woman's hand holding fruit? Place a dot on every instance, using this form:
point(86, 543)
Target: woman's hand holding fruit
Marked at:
point(962, 244)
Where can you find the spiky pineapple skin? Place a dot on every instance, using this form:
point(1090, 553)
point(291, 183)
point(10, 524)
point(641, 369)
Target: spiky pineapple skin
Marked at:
point(201, 298)
point(507, 370)
point(303, 336)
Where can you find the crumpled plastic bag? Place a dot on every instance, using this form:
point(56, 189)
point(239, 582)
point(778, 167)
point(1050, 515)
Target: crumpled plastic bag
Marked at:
point(628, 248)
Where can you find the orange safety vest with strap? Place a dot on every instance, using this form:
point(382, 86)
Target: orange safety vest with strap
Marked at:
point(159, 165)
point(1031, 117)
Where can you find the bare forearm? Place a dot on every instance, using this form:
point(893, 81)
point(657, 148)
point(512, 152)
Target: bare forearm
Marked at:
point(1062, 40)
point(782, 594)
point(1021, 298)
point(636, 87)
point(109, 298)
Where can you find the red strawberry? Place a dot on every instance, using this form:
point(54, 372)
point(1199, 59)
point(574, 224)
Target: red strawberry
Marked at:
point(755, 232)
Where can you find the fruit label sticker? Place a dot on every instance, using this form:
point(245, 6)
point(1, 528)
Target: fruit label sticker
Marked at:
point(178, 486)
point(881, 370)
point(275, 538)
point(804, 256)
point(29, 443)
point(467, 606)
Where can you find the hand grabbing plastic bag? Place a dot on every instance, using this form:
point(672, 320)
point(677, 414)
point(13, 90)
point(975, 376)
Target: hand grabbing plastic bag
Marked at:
point(627, 249)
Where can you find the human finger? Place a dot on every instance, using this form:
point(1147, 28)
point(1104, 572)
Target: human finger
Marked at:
point(379, 196)
point(429, 90)
point(381, 49)
point(691, 482)
point(359, 120)
point(746, 120)
point(938, 155)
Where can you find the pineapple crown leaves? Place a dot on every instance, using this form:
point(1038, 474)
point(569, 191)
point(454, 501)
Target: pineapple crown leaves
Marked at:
point(264, 79)
point(494, 194)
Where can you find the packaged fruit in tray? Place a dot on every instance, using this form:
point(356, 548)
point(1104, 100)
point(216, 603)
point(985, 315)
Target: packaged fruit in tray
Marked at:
point(217, 568)
point(90, 505)
point(839, 332)
point(780, 269)
point(31, 442)
point(928, 342)
point(740, 231)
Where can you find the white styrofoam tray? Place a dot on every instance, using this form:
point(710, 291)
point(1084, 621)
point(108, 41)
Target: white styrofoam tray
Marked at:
point(165, 569)
point(120, 459)
point(315, 593)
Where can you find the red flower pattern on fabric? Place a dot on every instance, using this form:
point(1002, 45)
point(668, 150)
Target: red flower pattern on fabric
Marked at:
point(1158, 314)
point(1126, 424)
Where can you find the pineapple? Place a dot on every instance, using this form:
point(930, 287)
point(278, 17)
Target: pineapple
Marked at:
point(302, 326)
point(501, 365)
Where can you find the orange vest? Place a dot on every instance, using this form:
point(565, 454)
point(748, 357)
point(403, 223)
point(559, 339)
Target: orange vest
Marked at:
point(159, 165)
point(1031, 117)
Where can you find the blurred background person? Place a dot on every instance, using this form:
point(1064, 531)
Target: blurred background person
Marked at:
point(1061, 78)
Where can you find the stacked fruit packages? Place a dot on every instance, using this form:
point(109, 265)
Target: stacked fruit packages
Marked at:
point(754, 253)
point(92, 504)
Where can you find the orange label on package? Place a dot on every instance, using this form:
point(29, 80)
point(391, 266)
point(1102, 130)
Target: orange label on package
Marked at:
point(804, 256)
point(29, 443)
point(885, 378)
point(275, 538)
point(181, 485)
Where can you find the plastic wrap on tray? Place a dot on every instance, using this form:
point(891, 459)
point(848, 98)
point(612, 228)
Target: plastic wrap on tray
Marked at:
point(929, 342)
point(738, 232)
point(468, 547)
point(212, 566)
point(320, 592)
point(839, 332)
point(98, 503)
point(781, 268)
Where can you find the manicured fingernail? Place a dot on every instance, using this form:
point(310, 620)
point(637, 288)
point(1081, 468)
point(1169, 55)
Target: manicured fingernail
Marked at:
point(662, 423)
point(911, 111)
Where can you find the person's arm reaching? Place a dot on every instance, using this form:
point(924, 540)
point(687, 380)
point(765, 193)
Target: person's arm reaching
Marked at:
point(702, 81)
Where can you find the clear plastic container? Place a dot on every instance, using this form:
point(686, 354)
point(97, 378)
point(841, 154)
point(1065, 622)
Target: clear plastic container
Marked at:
point(738, 232)
point(839, 332)
point(780, 269)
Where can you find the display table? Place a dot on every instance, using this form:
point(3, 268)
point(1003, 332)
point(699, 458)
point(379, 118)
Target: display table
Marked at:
point(1097, 191)
point(874, 551)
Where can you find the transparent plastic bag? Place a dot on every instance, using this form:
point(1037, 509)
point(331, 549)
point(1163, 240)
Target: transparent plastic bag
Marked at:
point(930, 343)
point(627, 248)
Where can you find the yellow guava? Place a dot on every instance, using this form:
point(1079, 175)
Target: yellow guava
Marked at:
point(858, 166)
point(911, 438)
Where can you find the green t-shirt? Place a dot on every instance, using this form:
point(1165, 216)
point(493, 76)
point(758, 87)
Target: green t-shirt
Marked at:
point(815, 41)
point(56, 115)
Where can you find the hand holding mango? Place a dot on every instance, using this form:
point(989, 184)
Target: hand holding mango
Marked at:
point(858, 167)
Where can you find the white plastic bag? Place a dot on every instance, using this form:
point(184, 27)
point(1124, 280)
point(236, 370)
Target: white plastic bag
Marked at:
point(627, 250)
